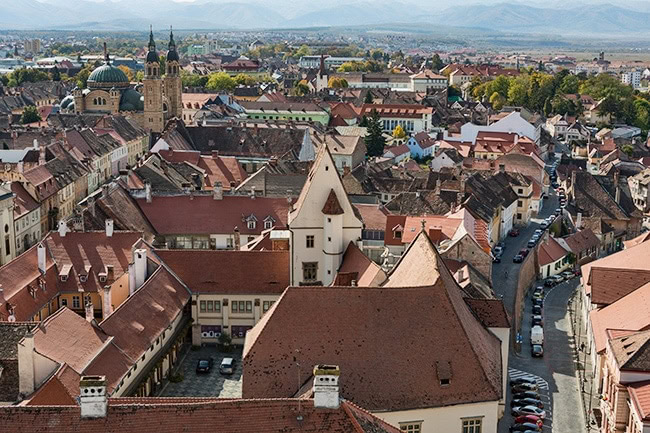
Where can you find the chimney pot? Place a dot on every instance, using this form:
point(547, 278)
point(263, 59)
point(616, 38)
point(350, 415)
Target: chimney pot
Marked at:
point(326, 386)
point(92, 396)
point(109, 228)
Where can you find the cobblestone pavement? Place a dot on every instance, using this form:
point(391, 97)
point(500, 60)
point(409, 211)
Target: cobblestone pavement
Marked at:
point(212, 384)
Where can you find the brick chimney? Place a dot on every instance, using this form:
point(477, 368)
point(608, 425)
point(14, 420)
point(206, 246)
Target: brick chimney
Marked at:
point(107, 302)
point(217, 191)
point(617, 187)
point(237, 239)
point(90, 312)
point(26, 364)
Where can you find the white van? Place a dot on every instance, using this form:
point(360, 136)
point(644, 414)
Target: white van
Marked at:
point(227, 366)
point(536, 335)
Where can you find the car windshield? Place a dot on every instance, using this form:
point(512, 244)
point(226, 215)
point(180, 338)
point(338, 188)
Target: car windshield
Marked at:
point(203, 363)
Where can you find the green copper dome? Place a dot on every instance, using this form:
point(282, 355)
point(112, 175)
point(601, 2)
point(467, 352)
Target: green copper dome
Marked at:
point(107, 75)
point(131, 101)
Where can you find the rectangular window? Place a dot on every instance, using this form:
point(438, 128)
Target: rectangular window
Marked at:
point(229, 243)
point(210, 305)
point(233, 306)
point(75, 302)
point(217, 306)
point(249, 306)
point(64, 302)
point(472, 425)
point(309, 271)
point(266, 305)
point(411, 426)
point(202, 304)
point(520, 203)
point(268, 224)
point(310, 241)
point(242, 306)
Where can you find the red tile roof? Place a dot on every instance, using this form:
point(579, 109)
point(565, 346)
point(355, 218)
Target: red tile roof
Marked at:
point(169, 215)
point(238, 272)
point(394, 367)
point(23, 201)
point(491, 312)
point(640, 396)
point(550, 252)
point(360, 268)
point(332, 205)
point(197, 415)
point(60, 389)
point(224, 169)
point(444, 227)
point(374, 216)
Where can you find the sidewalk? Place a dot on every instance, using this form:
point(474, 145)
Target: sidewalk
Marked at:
point(584, 366)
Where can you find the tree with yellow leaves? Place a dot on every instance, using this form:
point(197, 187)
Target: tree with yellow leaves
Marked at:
point(399, 132)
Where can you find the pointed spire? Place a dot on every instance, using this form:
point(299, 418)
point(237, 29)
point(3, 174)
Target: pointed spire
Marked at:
point(307, 149)
point(172, 44)
point(152, 43)
point(106, 58)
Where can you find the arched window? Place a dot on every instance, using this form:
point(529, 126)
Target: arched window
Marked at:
point(103, 101)
point(149, 70)
point(95, 101)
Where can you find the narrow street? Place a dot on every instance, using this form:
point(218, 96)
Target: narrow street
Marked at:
point(555, 371)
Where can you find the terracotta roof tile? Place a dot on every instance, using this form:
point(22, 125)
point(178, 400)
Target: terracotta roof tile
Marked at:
point(247, 272)
point(491, 312)
point(640, 396)
point(193, 415)
point(364, 271)
point(168, 214)
point(632, 352)
point(332, 205)
point(550, 252)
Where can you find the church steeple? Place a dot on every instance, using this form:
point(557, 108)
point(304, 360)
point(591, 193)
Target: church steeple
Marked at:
point(106, 58)
point(172, 54)
point(152, 43)
point(152, 55)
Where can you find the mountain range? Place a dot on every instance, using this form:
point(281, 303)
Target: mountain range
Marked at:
point(555, 19)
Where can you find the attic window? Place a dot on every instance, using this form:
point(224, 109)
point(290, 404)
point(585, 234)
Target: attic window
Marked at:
point(444, 382)
point(252, 224)
point(398, 234)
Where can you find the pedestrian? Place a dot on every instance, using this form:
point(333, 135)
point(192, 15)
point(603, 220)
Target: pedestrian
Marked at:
point(506, 274)
point(582, 346)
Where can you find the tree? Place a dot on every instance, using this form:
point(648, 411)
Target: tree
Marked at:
point(55, 75)
point(548, 107)
point(436, 62)
point(368, 98)
point(497, 101)
point(4, 80)
point(194, 80)
point(364, 121)
point(301, 89)
point(30, 115)
point(399, 132)
point(517, 92)
point(244, 80)
point(454, 91)
point(570, 84)
point(127, 71)
point(22, 75)
point(375, 141)
point(337, 83)
point(220, 81)
point(139, 76)
point(628, 149)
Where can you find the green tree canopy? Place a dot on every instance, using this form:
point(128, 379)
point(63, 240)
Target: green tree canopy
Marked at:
point(375, 140)
point(244, 80)
point(337, 83)
point(220, 81)
point(22, 75)
point(30, 115)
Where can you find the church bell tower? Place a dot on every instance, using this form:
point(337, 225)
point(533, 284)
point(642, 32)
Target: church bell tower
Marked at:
point(153, 90)
point(173, 84)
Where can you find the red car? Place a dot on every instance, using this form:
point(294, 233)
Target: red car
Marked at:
point(524, 252)
point(530, 419)
point(513, 233)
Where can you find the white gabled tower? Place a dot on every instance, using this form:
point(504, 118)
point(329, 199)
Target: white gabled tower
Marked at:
point(323, 223)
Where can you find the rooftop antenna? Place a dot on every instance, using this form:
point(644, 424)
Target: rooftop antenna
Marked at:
point(299, 417)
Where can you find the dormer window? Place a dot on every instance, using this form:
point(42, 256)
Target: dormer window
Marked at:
point(268, 222)
point(83, 278)
point(251, 225)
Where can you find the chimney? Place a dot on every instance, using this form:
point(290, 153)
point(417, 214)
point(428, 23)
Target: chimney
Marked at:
point(253, 192)
point(579, 220)
point(107, 302)
point(353, 283)
point(41, 258)
point(105, 190)
point(41, 155)
point(90, 312)
point(217, 191)
point(91, 206)
point(462, 183)
point(289, 200)
point(438, 186)
point(237, 241)
point(147, 191)
point(109, 228)
point(326, 386)
point(140, 268)
point(63, 228)
point(502, 168)
point(26, 364)
point(92, 396)
point(618, 187)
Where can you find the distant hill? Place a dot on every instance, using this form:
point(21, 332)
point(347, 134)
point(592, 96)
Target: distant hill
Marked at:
point(562, 19)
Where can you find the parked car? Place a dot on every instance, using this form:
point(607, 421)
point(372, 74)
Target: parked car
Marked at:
point(204, 365)
point(538, 301)
point(513, 233)
point(530, 419)
point(558, 211)
point(557, 278)
point(529, 410)
point(523, 379)
point(526, 394)
point(531, 243)
point(538, 233)
point(227, 366)
point(549, 282)
point(527, 402)
point(502, 245)
point(544, 224)
point(537, 310)
point(497, 251)
point(523, 387)
point(518, 258)
point(538, 289)
point(496, 258)
point(525, 427)
point(537, 351)
point(537, 320)
point(524, 252)
point(555, 185)
point(568, 275)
